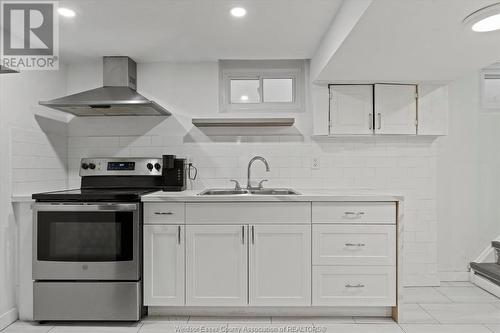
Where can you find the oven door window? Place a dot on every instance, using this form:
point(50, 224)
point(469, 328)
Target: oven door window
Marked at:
point(85, 236)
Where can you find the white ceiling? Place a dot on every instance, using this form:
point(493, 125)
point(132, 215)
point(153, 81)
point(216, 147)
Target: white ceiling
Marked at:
point(193, 30)
point(413, 40)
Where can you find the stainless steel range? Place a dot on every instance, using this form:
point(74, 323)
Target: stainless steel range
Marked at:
point(87, 243)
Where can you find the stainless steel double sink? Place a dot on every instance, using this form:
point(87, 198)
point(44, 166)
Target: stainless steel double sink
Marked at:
point(266, 191)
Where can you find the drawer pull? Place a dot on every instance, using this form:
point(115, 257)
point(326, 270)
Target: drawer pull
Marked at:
point(164, 213)
point(359, 285)
point(356, 214)
point(355, 244)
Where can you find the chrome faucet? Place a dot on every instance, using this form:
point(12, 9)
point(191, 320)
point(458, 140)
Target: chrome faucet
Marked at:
point(256, 158)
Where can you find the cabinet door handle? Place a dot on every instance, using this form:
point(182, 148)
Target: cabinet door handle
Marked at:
point(243, 234)
point(164, 213)
point(356, 214)
point(179, 234)
point(370, 121)
point(253, 235)
point(355, 244)
point(379, 116)
point(359, 285)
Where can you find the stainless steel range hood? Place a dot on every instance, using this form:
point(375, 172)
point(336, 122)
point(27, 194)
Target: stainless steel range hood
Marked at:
point(118, 96)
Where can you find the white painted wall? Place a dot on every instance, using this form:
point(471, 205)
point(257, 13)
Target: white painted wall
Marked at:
point(404, 165)
point(341, 26)
point(33, 158)
point(468, 178)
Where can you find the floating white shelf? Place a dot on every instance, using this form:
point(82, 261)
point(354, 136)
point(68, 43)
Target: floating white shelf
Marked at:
point(242, 122)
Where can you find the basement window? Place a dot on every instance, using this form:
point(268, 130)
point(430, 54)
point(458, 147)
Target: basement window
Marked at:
point(490, 87)
point(262, 85)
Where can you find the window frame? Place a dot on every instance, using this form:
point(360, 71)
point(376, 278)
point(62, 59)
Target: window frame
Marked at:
point(261, 70)
point(492, 107)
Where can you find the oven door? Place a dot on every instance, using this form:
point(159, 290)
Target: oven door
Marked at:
point(87, 241)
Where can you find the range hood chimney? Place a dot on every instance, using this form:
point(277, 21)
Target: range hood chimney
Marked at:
point(118, 96)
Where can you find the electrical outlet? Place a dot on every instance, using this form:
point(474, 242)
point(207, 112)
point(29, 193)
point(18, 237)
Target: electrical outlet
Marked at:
point(315, 163)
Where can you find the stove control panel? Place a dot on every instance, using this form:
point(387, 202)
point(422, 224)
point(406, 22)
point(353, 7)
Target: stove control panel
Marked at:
point(121, 166)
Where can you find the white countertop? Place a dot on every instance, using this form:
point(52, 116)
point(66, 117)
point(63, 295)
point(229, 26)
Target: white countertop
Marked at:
point(305, 195)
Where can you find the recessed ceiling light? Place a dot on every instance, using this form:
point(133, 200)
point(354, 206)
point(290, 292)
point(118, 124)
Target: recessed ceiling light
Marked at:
point(66, 12)
point(488, 24)
point(244, 98)
point(485, 19)
point(238, 11)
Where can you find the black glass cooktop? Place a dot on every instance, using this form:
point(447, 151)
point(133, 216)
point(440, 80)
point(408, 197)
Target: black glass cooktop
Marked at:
point(95, 194)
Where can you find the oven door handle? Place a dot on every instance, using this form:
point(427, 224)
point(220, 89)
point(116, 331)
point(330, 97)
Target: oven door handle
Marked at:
point(85, 207)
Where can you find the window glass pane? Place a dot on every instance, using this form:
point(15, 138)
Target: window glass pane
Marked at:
point(245, 91)
point(278, 90)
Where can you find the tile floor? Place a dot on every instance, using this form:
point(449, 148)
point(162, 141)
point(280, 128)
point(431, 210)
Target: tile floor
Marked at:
point(455, 307)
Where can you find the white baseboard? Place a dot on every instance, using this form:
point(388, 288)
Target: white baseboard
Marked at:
point(454, 276)
point(8, 318)
point(270, 311)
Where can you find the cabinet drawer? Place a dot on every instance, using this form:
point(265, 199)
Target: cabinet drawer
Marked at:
point(354, 212)
point(335, 244)
point(354, 285)
point(248, 212)
point(164, 213)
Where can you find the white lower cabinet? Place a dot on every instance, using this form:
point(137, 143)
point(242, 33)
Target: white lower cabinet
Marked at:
point(280, 265)
point(329, 254)
point(216, 265)
point(354, 245)
point(163, 265)
point(354, 286)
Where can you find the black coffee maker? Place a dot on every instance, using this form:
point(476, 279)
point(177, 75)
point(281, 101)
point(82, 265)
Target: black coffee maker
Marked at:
point(174, 173)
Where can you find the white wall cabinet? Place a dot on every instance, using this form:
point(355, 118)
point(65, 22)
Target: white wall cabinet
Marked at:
point(351, 109)
point(280, 261)
point(216, 265)
point(395, 109)
point(163, 265)
point(384, 109)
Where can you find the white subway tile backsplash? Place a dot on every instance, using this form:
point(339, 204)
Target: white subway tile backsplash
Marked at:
point(144, 151)
point(98, 151)
point(33, 175)
point(135, 141)
point(38, 186)
point(93, 141)
point(293, 172)
point(355, 172)
point(227, 173)
point(38, 161)
point(348, 161)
